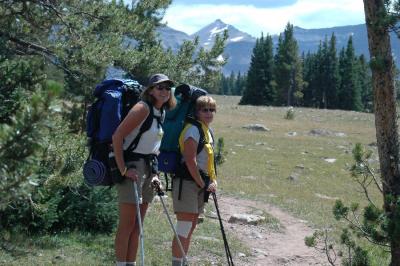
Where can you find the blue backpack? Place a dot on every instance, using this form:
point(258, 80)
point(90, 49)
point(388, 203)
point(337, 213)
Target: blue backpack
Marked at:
point(115, 97)
point(186, 96)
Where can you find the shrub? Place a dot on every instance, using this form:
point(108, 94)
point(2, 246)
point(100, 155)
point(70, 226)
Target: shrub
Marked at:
point(59, 200)
point(220, 153)
point(290, 113)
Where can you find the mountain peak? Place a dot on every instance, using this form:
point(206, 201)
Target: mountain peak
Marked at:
point(208, 33)
point(219, 21)
point(216, 27)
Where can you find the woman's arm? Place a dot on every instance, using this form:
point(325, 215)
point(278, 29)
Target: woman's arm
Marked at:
point(136, 115)
point(189, 154)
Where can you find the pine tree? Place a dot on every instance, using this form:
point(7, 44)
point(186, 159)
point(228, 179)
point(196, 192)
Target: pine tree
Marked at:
point(224, 85)
point(350, 91)
point(379, 225)
point(81, 39)
point(238, 87)
point(231, 84)
point(320, 75)
point(251, 94)
point(260, 88)
point(288, 72)
point(309, 74)
point(332, 79)
point(25, 99)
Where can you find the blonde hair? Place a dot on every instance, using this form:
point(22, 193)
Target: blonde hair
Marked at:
point(205, 101)
point(146, 96)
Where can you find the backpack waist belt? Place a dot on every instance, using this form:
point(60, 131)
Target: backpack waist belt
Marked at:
point(150, 160)
point(183, 174)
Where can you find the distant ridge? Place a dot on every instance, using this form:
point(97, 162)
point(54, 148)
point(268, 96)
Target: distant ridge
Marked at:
point(240, 44)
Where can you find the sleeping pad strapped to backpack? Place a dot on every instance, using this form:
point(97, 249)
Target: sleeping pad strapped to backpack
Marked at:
point(115, 97)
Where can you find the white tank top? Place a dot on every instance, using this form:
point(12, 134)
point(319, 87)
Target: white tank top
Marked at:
point(150, 140)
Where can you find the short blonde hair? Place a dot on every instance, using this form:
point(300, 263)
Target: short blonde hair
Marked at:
point(146, 96)
point(205, 101)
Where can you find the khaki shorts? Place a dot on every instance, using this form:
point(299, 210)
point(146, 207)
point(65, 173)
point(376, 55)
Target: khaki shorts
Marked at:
point(125, 189)
point(192, 197)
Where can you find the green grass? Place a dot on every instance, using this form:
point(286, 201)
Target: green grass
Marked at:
point(269, 158)
point(87, 249)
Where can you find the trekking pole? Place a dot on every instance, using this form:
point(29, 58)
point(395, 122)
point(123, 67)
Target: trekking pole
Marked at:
point(226, 245)
point(160, 193)
point(139, 217)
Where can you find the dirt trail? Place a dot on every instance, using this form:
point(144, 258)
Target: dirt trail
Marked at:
point(285, 247)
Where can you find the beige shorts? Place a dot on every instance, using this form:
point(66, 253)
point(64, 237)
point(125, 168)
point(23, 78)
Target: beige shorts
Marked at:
point(125, 189)
point(192, 197)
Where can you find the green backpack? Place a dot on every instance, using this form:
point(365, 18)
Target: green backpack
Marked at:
point(186, 96)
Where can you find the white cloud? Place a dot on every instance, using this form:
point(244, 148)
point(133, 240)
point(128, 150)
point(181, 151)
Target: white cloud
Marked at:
point(304, 13)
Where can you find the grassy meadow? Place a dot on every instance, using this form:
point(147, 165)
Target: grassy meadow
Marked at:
point(258, 167)
point(259, 163)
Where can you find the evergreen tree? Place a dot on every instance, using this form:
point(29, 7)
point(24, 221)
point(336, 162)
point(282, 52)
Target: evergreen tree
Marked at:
point(260, 88)
point(25, 112)
point(231, 84)
point(309, 74)
point(239, 84)
point(224, 85)
point(252, 93)
point(234, 84)
point(320, 75)
point(323, 76)
point(379, 225)
point(342, 68)
point(332, 74)
point(288, 72)
point(350, 91)
point(80, 38)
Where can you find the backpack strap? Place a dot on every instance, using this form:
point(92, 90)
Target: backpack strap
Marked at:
point(213, 146)
point(95, 110)
point(145, 126)
point(202, 140)
point(200, 146)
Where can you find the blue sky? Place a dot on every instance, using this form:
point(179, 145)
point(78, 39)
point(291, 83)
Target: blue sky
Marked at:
point(267, 16)
point(256, 3)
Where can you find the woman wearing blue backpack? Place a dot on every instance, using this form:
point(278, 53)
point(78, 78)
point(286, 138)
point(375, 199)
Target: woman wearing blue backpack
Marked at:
point(136, 158)
point(196, 176)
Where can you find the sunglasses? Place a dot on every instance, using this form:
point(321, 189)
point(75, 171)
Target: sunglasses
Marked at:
point(163, 87)
point(206, 110)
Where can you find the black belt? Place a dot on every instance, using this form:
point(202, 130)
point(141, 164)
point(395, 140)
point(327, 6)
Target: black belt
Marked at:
point(150, 159)
point(183, 174)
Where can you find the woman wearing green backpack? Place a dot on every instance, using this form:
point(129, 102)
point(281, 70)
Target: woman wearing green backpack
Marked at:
point(196, 176)
point(135, 163)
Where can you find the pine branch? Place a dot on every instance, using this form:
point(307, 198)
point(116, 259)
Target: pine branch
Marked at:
point(357, 225)
point(373, 177)
point(327, 249)
point(30, 48)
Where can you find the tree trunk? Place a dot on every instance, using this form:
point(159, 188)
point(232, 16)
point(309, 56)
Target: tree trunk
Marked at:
point(385, 112)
